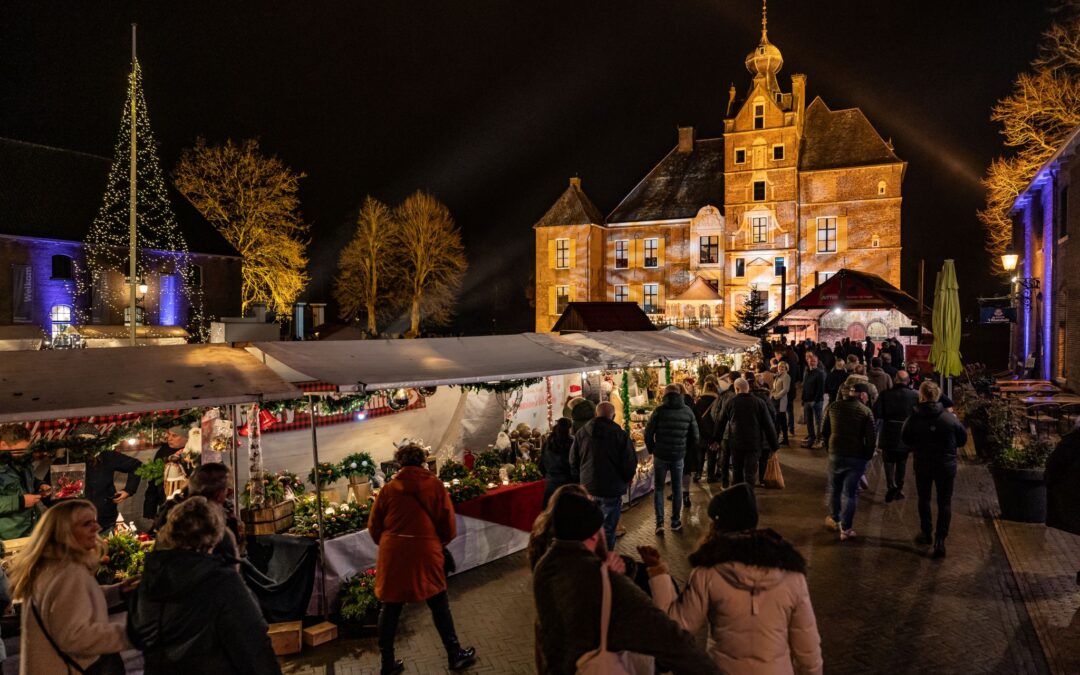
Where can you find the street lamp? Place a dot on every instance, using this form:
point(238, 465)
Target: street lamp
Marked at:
point(1030, 286)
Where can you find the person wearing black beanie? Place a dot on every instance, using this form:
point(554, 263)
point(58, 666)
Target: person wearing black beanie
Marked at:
point(750, 586)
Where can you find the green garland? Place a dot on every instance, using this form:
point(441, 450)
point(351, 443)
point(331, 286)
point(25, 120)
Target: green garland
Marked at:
point(504, 387)
point(325, 406)
point(149, 425)
point(625, 393)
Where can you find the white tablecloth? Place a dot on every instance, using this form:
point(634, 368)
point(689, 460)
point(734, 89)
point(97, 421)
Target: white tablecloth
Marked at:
point(477, 542)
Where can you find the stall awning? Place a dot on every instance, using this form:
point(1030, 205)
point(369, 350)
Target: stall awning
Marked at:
point(371, 365)
point(68, 383)
point(849, 290)
point(720, 339)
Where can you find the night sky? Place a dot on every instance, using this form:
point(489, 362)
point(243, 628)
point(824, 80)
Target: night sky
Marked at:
point(491, 106)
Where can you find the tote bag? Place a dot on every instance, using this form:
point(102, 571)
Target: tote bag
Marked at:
point(600, 661)
point(774, 478)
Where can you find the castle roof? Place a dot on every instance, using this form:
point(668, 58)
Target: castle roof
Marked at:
point(53, 193)
point(836, 139)
point(573, 207)
point(698, 290)
point(678, 186)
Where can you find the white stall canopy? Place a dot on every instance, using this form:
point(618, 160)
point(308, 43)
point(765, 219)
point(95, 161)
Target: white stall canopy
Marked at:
point(722, 339)
point(69, 383)
point(372, 365)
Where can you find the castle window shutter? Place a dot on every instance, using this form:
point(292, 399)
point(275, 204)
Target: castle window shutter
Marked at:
point(660, 252)
point(551, 253)
point(572, 253)
point(553, 301)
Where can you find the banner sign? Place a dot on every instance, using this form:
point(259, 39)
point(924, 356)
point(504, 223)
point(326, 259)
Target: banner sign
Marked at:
point(993, 313)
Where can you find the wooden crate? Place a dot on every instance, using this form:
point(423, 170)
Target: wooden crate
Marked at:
point(269, 520)
point(286, 637)
point(320, 633)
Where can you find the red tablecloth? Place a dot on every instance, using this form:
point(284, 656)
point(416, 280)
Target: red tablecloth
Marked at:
point(515, 506)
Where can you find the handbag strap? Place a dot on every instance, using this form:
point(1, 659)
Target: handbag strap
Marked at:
point(67, 659)
point(605, 606)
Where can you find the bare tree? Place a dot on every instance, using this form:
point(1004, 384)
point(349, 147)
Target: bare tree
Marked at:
point(368, 266)
point(253, 201)
point(433, 259)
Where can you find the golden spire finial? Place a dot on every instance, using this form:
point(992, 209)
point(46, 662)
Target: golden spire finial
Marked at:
point(764, 21)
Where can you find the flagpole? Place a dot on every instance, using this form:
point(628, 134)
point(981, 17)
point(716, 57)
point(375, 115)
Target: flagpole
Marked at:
point(133, 281)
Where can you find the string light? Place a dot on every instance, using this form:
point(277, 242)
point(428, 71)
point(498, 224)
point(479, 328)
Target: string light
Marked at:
point(162, 249)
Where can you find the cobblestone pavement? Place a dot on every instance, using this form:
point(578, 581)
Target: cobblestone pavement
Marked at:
point(882, 604)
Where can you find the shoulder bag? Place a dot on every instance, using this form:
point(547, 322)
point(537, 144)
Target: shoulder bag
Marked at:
point(449, 564)
point(600, 661)
point(107, 664)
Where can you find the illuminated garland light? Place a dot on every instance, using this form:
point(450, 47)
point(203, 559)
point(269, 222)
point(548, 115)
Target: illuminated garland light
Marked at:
point(161, 247)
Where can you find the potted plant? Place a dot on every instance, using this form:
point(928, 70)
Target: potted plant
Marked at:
point(359, 468)
point(1017, 466)
point(359, 608)
point(329, 473)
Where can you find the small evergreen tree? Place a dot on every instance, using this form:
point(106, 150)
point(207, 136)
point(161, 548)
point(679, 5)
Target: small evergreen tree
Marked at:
point(753, 315)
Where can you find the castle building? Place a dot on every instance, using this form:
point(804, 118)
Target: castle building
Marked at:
point(791, 193)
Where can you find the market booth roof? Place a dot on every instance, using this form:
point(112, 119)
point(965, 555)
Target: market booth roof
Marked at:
point(371, 365)
point(850, 290)
point(67, 383)
point(603, 316)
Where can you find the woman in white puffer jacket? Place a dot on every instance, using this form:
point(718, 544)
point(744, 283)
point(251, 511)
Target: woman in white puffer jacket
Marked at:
point(750, 585)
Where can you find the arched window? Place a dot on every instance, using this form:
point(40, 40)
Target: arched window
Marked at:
point(60, 318)
point(61, 267)
point(881, 187)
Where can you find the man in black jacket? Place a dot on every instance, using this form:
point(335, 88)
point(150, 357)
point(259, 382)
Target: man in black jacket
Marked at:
point(603, 460)
point(101, 485)
point(568, 593)
point(848, 433)
point(813, 398)
point(746, 427)
point(671, 431)
point(893, 408)
point(935, 434)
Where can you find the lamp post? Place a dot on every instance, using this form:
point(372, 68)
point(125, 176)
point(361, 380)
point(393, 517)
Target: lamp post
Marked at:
point(1023, 288)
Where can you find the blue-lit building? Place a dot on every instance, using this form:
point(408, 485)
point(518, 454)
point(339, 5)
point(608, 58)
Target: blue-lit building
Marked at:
point(1046, 237)
point(48, 199)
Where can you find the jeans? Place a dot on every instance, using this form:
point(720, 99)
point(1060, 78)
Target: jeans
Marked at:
point(844, 484)
point(812, 417)
point(744, 466)
point(440, 614)
point(611, 507)
point(941, 474)
point(661, 467)
point(895, 467)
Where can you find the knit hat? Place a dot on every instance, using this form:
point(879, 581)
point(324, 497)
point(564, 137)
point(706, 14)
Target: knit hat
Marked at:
point(734, 509)
point(179, 430)
point(576, 517)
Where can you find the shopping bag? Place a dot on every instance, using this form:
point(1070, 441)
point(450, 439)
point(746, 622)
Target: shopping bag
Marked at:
point(774, 477)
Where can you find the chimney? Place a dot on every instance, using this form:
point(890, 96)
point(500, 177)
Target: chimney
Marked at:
point(731, 100)
point(318, 314)
point(686, 139)
point(258, 310)
point(575, 182)
point(798, 93)
point(298, 320)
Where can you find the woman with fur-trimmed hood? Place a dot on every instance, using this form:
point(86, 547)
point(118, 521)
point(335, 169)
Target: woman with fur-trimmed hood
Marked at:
point(750, 585)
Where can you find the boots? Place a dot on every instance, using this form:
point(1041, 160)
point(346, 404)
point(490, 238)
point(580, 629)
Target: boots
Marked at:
point(686, 499)
point(458, 658)
point(939, 548)
point(390, 665)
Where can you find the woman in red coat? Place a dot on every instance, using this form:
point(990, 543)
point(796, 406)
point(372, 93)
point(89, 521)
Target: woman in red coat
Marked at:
point(411, 521)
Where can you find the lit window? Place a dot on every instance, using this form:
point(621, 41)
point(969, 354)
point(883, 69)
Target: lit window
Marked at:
point(622, 293)
point(778, 266)
point(740, 156)
point(562, 298)
point(652, 298)
point(61, 267)
point(826, 235)
point(562, 253)
point(759, 116)
point(759, 191)
point(60, 318)
point(622, 254)
point(778, 152)
point(759, 228)
point(740, 267)
point(652, 247)
point(709, 250)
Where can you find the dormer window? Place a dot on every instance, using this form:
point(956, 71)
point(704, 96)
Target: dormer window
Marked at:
point(759, 115)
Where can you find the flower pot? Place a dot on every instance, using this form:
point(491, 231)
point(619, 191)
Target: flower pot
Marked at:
point(1021, 494)
point(360, 488)
point(330, 494)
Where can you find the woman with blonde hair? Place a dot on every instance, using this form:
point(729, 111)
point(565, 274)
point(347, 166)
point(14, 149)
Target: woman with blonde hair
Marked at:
point(65, 619)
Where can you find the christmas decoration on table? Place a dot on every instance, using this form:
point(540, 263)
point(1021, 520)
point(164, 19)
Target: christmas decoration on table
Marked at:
point(452, 469)
point(357, 467)
point(161, 247)
point(488, 475)
point(290, 483)
point(488, 458)
point(123, 557)
point(464, 489)
point(329, 473)
point(356, 596)
point(68, 480)
point(526, 473)
point(338, 519)
point(272, 490)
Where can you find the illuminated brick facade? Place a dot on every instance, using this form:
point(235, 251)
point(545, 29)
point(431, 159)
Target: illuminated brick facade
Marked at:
point(790, 186)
